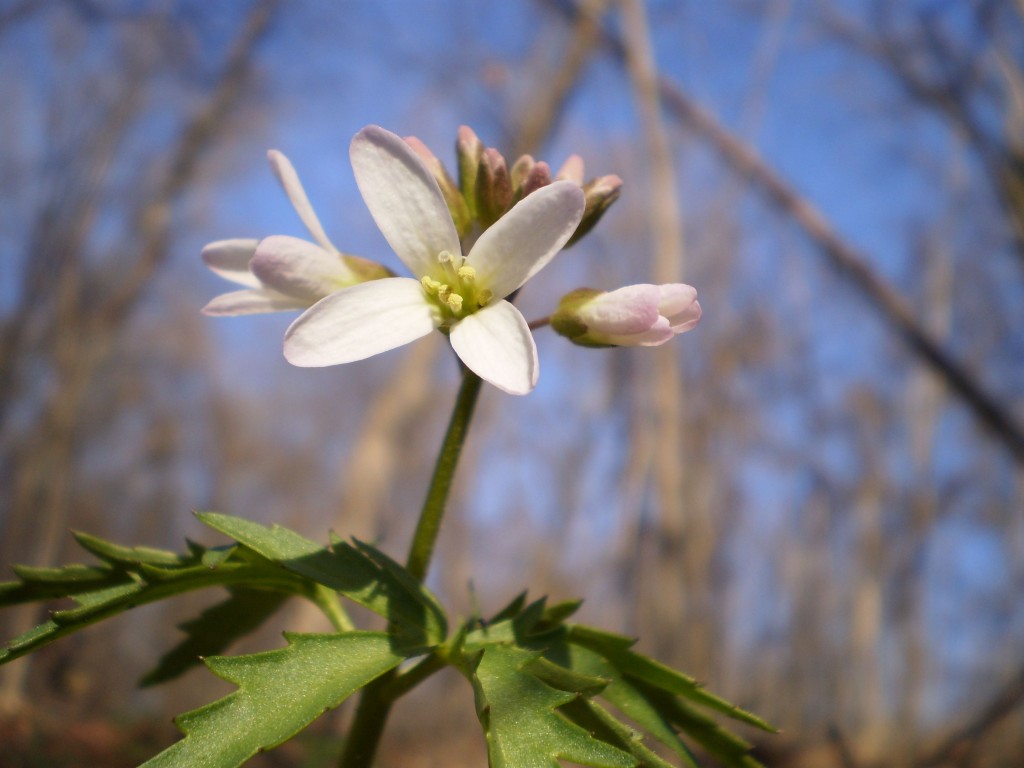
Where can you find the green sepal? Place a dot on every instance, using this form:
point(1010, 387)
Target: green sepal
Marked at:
point(280, 692)
point(358, 571)
point(214, 630)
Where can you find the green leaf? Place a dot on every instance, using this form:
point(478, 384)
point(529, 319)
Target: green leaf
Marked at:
point(279, 693)
point(615, 648)
point(519, 714)
point(214, 630)
point(131, 576)
point(360, 572)
point(603, 725)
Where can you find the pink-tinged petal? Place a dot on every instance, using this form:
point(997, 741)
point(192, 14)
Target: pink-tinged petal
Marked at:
point(495, 343)
point(299, 268)
point(571, 170)
point(524, 240)
point(674, 298)
point(652, 337)
point(252, 302)
point(687, 319)
point(230, 259)
point(360, 322)
point(632, 309)
point(289, 179)
point(403, 198)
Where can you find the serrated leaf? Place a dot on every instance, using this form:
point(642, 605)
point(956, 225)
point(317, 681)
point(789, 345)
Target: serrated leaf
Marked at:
point(214, 630)
point(521, 723)
point(279, 693)
point(596, 720)
point(623, 694)
point(727, 747)
point(511, 610)
point(117, 554)
point(615, 649)
point(129, 577)
point(360, 572)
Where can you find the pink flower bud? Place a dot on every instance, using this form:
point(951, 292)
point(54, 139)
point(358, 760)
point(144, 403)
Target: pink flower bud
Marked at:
point(633, 316)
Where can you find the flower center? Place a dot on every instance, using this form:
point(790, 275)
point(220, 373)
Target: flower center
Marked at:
point(454, 289)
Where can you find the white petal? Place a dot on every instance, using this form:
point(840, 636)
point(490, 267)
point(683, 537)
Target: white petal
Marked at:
point(524, 240)
point(299, 268)
point(631, 309)
point(252, 302)
point(230, 260)
point(403, 199)
point(359, 322)
point(658, 334)
point(686, 320)
point(675, 298)
point(495, 343)
point(289, 179)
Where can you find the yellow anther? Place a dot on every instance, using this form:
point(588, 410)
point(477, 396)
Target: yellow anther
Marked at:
point(455, 302)
point(443, 291)
point(430, 285)
point(466, 273)
point(484, 297)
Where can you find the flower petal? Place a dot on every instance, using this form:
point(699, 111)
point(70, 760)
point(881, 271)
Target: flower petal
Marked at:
point(631, 309)
point(289, 179)
point(403, 198)
point(678, 303)
point(252, 302)
point(360, 322)
point(299, 268)
point(657, 334)
point(495, 343)
point(230, 260)
point(524, 240)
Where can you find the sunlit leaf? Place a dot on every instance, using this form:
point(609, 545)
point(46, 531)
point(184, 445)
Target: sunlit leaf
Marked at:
point(214, 630)
point(279, 693)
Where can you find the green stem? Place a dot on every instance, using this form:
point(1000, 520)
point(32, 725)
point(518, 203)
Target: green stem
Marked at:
point(422, 548)
point(377, 697)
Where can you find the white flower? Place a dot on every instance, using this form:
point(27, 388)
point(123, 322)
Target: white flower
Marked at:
point(280, 272)
point(633, 316)
point(463, 296)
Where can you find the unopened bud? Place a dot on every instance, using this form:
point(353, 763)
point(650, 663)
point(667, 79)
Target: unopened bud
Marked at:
point(469, 151)
point(600, 194)
point(493, 187)
point(450, 191)
point(634, 316)
point(539, 177)
point(571, 170)
point(520, 172)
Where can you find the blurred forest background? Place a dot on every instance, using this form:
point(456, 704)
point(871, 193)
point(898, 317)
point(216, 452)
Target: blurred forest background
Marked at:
point(814, 502)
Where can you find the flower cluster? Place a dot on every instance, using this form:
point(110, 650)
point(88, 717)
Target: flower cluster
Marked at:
point(513, 220)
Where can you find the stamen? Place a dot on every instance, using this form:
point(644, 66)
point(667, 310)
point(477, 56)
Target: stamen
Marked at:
point(484, 298)
point(444, 291)
point(430, 285)
point(455, 302)
point(466, 273)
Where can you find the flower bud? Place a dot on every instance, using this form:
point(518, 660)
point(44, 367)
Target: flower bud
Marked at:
point(571, 170)
point(520, 172)
point(493, 187)
point(636, 315)
point(540, 176)
point(450, 191)
point(469, 151)
point(601, 193)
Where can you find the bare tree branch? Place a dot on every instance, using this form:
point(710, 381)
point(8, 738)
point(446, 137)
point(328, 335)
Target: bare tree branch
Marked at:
point(849, 262)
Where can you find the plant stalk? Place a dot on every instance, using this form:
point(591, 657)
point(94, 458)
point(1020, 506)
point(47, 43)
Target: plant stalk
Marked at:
point(377, 698)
